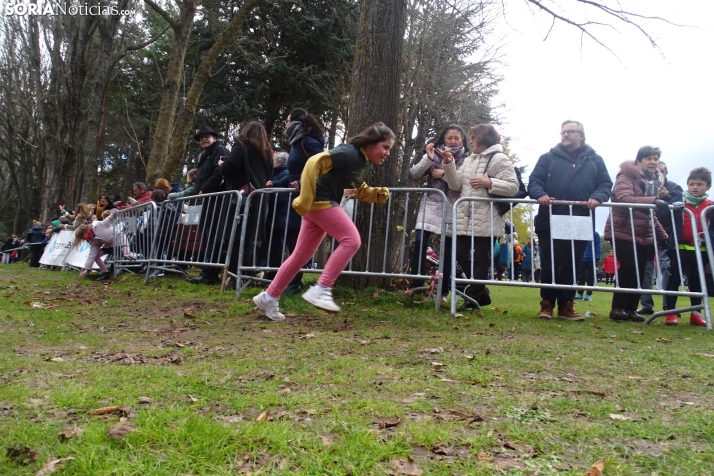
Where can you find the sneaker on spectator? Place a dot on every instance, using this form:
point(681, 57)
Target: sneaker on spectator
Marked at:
point(131, 255)
point(157, 273)
point(578, 297)
point(588, 298)
point(321, 297)
point(670, 320)
point(697, 319)
point(270, 308)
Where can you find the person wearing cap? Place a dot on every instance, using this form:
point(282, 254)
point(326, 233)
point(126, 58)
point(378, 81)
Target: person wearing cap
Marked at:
point(213, 152)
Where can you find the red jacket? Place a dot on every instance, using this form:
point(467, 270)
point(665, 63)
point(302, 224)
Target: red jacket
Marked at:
point(144, 197)
point(608, 266)
point(687, 222)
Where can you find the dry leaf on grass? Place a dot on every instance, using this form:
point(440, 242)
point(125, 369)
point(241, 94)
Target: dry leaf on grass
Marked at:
point(192, 399)
point(375, 295)
point(408, 467)
point(70, 432)
point(145, 400)
point(284, 391)
point(189, 313)
point(701, 354)
point(388, 423)
point(263, 417)
point(309, 335)
point(596, 469)
point(120, 430)
point(615, 416)
point(662, 339)
point(123, 411)
point(21, 455)
point(437, 364)
point(434, 350)
point(52, 465)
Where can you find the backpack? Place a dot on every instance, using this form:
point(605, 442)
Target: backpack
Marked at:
point(503, 207)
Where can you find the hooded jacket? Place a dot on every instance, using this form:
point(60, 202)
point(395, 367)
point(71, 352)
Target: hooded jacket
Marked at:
point(431, 215)
point(300, 152)
point(557, 176)
point(630, 188)
point(35, 235)
point(504, 183)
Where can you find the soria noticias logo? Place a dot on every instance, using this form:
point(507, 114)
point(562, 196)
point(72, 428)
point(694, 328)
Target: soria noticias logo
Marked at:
point(50, 8)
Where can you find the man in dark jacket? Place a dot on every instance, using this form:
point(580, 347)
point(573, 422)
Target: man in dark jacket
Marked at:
point(670, 192)
point(34, 238)
point(572, 170)
point(213, 152)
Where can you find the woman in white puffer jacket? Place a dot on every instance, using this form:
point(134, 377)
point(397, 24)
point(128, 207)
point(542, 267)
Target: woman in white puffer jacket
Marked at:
point(473, 179)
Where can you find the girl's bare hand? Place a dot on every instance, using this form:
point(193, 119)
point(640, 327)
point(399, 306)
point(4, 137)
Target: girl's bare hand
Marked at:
point(295, 185)
point(430, 151)
point(437, 173)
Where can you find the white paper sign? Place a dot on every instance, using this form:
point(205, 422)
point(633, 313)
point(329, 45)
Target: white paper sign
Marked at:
point(566, 227)
point(192, 215)
point(57, 248)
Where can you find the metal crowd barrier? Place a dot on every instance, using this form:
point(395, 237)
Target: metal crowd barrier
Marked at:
point(579, 228)
point(133, 228)
point(197, 231)
point(399, 210)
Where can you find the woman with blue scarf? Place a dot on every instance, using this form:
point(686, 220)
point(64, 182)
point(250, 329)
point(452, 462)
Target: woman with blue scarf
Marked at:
point(430, 217)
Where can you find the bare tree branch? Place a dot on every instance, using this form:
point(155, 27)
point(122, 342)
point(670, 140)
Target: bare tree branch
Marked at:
point(162, 13)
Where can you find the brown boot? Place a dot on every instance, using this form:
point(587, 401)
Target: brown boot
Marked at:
point(546, 309)
point(569, 314)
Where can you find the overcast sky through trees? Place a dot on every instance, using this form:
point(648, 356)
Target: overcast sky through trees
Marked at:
point(641, 99)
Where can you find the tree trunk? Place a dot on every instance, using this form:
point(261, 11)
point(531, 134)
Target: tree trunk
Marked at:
point(184, 125)
point(172, 86)
point(374, 97)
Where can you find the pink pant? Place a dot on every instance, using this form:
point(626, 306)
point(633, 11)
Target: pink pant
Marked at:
point(315, 224)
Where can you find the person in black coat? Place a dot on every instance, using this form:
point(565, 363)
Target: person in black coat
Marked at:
point(250, 161)
point(35, 237)
point(572, 170)
point(213, 153)
point(271, 250)
point(307, 138)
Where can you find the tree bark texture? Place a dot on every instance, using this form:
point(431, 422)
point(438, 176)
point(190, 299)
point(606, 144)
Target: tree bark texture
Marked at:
point(181, 27)
point(203, 73)
point(374, 97)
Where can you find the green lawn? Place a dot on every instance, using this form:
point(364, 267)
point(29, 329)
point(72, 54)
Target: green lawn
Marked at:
point(388, 386)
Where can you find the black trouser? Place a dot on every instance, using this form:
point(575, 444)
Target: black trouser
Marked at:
point(479, 259)
point(690, 270)
point(526, 275)
point(418, 259)
point(215, 233)
point(586, 276)
point(609, 278)
point(627, 273)
point(36, 252)
point(562, 254)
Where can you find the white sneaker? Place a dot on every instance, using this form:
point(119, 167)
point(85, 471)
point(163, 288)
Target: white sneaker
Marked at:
point(132, 256)
point(321, 297)
point(269, 308)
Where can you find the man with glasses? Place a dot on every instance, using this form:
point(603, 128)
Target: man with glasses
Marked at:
point(572, 170)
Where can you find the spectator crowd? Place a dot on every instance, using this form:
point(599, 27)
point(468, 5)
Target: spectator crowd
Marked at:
point(646, 245)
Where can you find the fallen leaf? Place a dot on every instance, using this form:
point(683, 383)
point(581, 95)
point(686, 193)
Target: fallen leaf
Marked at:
point(662, 339)
point(458, 314)
point(434, 350)
point(120, 430)
point(437, 364)
point(375, 295)
point(37, 304)
point(55, 359)
point(22, 455)
point(263, 417)
point(70, 432)
point(189, 314)
point(470, 357)
point(615, 416)
point(709, 356)
point(123, 411)
point(51, 466)
point(408, 467)
point(596, 469)
point(192, 398)
point(326, 440)
point(309, 335)
point(284, 391)
point(145, 400)
point(495, 309)
point(388, 423)
point(481, 456)
point(513, 329)
point(639, 333)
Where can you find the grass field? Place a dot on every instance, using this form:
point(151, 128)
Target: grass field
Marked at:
point(206, 386)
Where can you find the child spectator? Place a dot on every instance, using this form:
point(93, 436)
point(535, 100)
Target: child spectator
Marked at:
point(585, 273)
point(99, 234)
point(190, 189)
point(608, 267)
point(695, 200)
